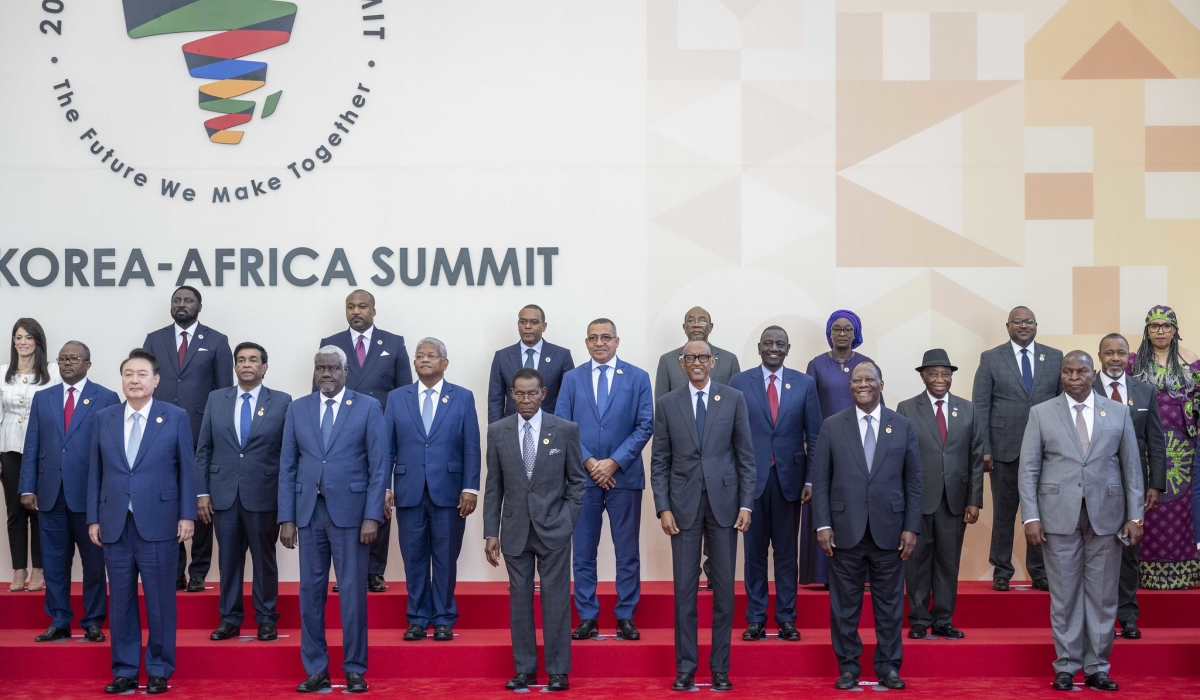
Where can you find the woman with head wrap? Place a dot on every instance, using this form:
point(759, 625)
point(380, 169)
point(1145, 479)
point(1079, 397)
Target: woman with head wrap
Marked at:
point(1168, 555)
point(831, 370)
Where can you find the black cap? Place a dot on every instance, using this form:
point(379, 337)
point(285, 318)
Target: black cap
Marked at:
point(936, 358)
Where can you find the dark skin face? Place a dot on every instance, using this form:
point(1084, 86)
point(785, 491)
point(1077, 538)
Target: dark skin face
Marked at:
point(937, 380)
point(330, 374)
point(72, 365)
point(602, 342)
point(773, 347)
point(697, 372)
point(360, 310)
point(1161, 334)
point(1077, 375)
point(841, 333)
point(185, 308)
point(697, 324)
point(528, 396)
point(1020, 331)
point(531, 326)
point(1114, 356)
point(429, 364)
point(249, 368)
point(865, 386)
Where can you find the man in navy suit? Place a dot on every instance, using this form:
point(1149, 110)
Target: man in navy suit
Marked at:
point(613, 405)
point(532, 352)
point(194, 360)
point(784, 415)
point(378, 365)
point(141, 502)
point(54, 474)
point(435, 449)
point(332, 474)
point(867, 508)
point(237, 474)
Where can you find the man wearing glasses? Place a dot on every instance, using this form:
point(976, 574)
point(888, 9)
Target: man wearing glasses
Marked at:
point(1012, 378)
point(530, 352)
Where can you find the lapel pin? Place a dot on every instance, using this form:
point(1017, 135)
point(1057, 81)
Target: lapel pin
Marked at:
point(546, 441)
point(260, 411)
point(158, 420)
point(845, 368)
point(717, 397)
point(787, 386)
point(87, 401)
point(1130, 402)
point(620, 371)
point(1041, 358)
point(24, 380)
point(21, 400)
point(445, 399)
point(348, 402)
point(1102, 414)
point(200, 337)
point(954, 413)
point(887, 429)
point(379, 342)
point(547, 359)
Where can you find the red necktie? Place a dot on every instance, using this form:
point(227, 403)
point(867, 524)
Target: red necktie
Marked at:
point(182, 349)
point(1116, 395)
point(69, 409)
point(360, 351)
point(941, 419)
point(773, 402)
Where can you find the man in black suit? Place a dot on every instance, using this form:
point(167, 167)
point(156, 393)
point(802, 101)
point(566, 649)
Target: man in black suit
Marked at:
point(237, 476)
point(952, 464)
point(535, 478)
point(867, 500)
point(703, 474)
point(1011, 379)
point(1142, 400)
point(378, 364)
point(195, 361)
point(531, 352)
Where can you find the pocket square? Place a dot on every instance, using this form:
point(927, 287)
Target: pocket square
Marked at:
point(201, 349)
point(1143, 409)
point(555, 451)
point(385, 353)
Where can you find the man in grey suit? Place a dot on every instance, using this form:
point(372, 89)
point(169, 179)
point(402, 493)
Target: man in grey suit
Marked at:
point(1081, 490)
point(703, 474)
point(952, 465)
point(1142, 399)
point(535, 479)
point(1011, 379)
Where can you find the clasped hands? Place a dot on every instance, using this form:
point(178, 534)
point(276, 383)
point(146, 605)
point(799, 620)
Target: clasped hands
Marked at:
point(602, 471)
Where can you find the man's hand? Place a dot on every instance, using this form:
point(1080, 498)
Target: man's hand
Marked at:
point(1152, 496)
point(205, 509)
point(908, 540)
point(185, 530)
point(988, 465)
point(389, 503)
point(971, 515)
point(1034, 535)
point(94, 535)
point(491, 549)
point(806, 494)
point(29, 500)
point(602, 471)
point(466, 504)
point(825, 539)
point(368, 532)
point(1133, 532)
point(287, 535)
point(667, 520)
point(743, 521)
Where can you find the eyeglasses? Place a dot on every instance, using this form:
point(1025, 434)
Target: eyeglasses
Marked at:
point(427, 356)
point(528, 322)
point(702, 322)
point(1018, 322)
point(70, 360)
point(842, 330)
point(526, 395)
point(1160, 328)
point(593, 339)
point(691, 359)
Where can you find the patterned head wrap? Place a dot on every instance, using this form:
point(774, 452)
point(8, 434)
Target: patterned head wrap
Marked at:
point(854, 321)
point(1164, 314)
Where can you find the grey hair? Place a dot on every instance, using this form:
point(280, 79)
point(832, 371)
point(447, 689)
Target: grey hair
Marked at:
point(434, 341)
point(332, 350)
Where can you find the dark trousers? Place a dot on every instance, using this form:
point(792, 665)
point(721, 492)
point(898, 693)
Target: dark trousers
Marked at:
point(624, 508)
point(320, 542)
point(813, 562)
point(554, 568)
point(24, 537)
point(125, 559)
point(430, 541)
point(932, 570)
point(64, 531)
point(202, 542)
point(1127, 605)
point(239, 530)
point(379, 549)
point(849, 569)
point(775, 525)
point(1005, 500)
point(685, 567)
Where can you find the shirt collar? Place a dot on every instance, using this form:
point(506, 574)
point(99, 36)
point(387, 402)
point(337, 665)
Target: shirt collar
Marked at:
point(1017, 348)
point(767, 374)
point(1088, 401)
point(535, 421)
point(253, 392)
point(336, 399)
point(707, 390)
point(78, 386)
point(537, 347)
point(366, 335)
point(1107, 381)
point(191, 330)
point(437, 388)
point(933, 400)
point(611, 364)
point(144, 413)
point(874, 414)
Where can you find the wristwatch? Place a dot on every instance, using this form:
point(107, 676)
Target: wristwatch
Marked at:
point(1137, 522)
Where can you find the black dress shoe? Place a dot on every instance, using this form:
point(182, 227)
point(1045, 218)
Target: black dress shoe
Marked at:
point(892, 682)
point(1063, 681)
point(521, 681)
point(181, 584)
point(1129, 630)
point(788, 632)
point(1100, 681)
point(195, 585)
point(683, 681)
point(948, 631)
point(558, 681)
point(999, 584)
point(335, 587)
point(376, 584)
point(156, 685)
point(626, 630)
point(121, 684)
point(846, 681)
point(314, 683)
point(442, 633)
point(53, 634)
point(916, 632)
point(1041, 584)
point(414, 633)
point(225, 631)
point(267, 632)
point(754, 632)
point(93, 634)
point(587, 629)
point(355, 683)
point(721, 682)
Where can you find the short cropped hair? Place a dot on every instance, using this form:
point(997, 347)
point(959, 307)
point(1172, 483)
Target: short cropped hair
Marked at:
point(332, 350)
point(262, 352)
point(140, 354)
point(529, 373)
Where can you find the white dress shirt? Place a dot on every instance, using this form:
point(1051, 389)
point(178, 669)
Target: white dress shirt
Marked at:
point(145, 414)
point(611, 373)
point(16, 400)
point(337, 403)
point(366, 338)
point(933, 407)
point(78, 386)
point(191, 331)
point(536, 421)
point(537, 353)
point(1122, 387)
point(237, 409)
point(1032, 360)
point(767, 378)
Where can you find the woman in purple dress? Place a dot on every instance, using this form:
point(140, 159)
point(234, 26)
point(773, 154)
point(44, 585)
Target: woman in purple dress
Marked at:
point(831, 370)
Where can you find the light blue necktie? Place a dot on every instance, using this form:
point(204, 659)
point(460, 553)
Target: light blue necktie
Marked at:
point(135, 440)
point(1026, 371)
point(427, 410)
point(602, 390)
point(869, 444)
point(245, 419)
point(327, 424)
point(529, 358)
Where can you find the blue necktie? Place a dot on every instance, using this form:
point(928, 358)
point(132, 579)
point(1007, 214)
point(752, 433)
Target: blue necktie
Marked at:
point(529, 358)
point(427, 410)
point(1026, 371)
point(135, 440)
point(602, 390)
point(245, 422)
point(700, 411)
point(327, 424)
point(869, 444)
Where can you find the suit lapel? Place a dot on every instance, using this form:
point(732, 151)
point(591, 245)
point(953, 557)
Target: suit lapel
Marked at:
point(855, 441)
point(343, 415)
point(928, 419)
point(1010, 359)
point(439, 415)
point(414, 408)
point(786, 395)
point(194, 344)
point(1035, 355)
point(957, 429)
point(60, 418)
point(153, 428)
point(759, 396)
point(616, 380)
point(591, 391)
point(684, 404)
point(711, 412)
point(1065, 412)
point(1099, 420)
point(374, 349)
point(264, 407)
point(545, 442)
point(883, 438)
point(315, 414)
point(118, 431)
point(511, 441)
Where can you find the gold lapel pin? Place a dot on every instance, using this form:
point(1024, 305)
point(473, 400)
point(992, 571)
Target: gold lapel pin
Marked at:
point(546, 441)
point(348, 402)
point(1130, 402)
point(445, 399)
point(619, 371)
point(158, 420)
point(379, 342)
point(787, 386)
point(24, 380)
point(260, 411)
point(717, 397)
point(954, 414)
point(887, 429)
point(87, 401)
point(1102, 414)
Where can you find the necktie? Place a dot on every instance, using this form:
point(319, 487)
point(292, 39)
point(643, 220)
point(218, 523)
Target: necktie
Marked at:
point(327, 423)
point(244, 423)
point(135, 440)
point(1116, 395)
point(427, 410)
point(869, 444)
point(69, 408)
point(602, 390)
point(700, 411)
point(773, 400)
point(528, 451)
point(360, 351)
point(182, 348)
point(941, 421)
point(529, 358)
point(1081, 428)
point(1026, 371)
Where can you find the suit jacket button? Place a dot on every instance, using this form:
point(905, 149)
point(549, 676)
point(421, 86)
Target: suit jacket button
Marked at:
point(240, 456)
point(1080, 484)
point(324, 462)
point(64, 449)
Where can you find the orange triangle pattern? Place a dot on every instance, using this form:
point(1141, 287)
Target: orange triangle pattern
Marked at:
point(1118, 55)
